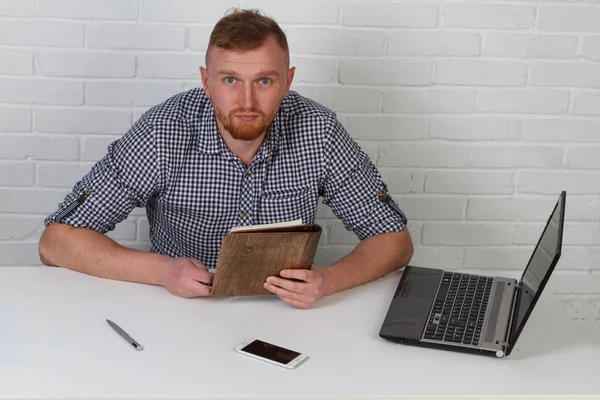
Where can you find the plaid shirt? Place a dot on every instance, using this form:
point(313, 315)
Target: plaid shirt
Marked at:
point(174, 162)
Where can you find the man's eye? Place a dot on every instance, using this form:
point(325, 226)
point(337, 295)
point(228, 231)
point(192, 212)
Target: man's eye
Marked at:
point(230, 79)
point(265, 81)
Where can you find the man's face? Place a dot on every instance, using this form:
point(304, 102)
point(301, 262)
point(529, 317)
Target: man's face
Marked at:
point(247, 87)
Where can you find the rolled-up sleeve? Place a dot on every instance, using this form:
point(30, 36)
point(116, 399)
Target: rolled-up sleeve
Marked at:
point(354, 189)
point(127, 177)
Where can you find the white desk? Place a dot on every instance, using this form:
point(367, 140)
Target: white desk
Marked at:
point(69, 350)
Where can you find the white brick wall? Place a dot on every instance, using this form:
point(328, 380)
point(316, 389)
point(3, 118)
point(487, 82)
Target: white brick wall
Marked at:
point(477, 113)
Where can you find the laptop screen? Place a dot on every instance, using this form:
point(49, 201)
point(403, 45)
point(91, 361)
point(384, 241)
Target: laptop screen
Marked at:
point(540, 266)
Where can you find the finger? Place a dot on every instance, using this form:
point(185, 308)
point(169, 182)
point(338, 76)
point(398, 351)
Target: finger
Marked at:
point(281, 292)
point(197, 263)
point(294, 303)
point(200, 273)
point(197, 289)
point(292, 286)
point(300, 274)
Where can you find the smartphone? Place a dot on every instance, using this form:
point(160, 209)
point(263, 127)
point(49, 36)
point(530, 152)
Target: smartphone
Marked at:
point(271, 353)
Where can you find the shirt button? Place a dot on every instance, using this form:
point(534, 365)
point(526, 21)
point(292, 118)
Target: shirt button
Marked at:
point(247, 174)
point(244, 214)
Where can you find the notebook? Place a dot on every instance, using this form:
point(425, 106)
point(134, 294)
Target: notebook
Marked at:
point(250, 254)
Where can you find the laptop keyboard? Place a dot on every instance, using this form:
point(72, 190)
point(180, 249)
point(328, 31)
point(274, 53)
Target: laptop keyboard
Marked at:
point(459, 309)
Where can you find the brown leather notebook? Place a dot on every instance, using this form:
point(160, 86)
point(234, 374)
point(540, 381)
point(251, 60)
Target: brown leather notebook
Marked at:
point(247, 258)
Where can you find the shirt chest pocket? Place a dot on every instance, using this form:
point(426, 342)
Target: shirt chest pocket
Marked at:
point(286, 204)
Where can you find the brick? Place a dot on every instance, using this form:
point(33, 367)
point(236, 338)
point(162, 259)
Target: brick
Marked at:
point(308, 11)
point(41, 91)
point(469, 182)
point(386, 127)
point(579, 258)
point(385, 72)
point(457, 15)
point(82, 121)
point(30, 200)
point(590, 47)
point(579, 282)
point(143, 230)
point(575, 233)
point(583, 208)
point(339, 234)
point(314, 70)
point(16, 173)
point(586, 104)
point(432, 208)
point(583, 157)
point(38, 147)
point(561, 130)
point(538, 101)
point(95, 9)
point(434, 44)
point(472, 73)
point(331, 254)
point(124, 230)
point(130, 93)
point(352, 100)
point(510, 209)
point(14, 119)
point(529, 46)
point(61, 174)
point(19, 254)
point(20, 227)
point(178, 66)
point(397, 181)
point(563, 74)
point(134, 36)
point(569, 18)
point(466, 233)
point(429, 101)
point(415, 229)
point(497, 258)
point(519, 156)
point(414, 15)
point(437, 257)
point(94, 147)
point(184, 10)
point(17, 8)
point(16, 62)
point(99, 65)
point(428, 155)
point(336, 42)
point(198, 37)
point(38, 33)
point(550, 182)
point(473, 128)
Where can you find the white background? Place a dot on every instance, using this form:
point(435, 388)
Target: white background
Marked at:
point(477, 113)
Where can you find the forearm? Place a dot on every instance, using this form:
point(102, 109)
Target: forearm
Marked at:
point(93, 253)
point(372, 258)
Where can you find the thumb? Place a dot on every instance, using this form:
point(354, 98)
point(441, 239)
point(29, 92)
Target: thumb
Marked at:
point(198, 263)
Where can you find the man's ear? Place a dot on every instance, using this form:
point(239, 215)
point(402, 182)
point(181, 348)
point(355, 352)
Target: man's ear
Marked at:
point(204, 75)
point(290, 78)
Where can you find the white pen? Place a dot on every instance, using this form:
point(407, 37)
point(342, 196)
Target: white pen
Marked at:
point(125, 336)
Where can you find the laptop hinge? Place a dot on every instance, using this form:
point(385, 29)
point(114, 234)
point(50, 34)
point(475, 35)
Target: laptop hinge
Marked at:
point(512, 315)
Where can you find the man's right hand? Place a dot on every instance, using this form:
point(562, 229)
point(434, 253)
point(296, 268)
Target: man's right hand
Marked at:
point(184, 276)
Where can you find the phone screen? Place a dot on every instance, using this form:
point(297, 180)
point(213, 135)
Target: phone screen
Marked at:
point(270, 351)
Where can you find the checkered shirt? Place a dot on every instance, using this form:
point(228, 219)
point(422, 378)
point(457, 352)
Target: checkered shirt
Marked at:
point(174, 162)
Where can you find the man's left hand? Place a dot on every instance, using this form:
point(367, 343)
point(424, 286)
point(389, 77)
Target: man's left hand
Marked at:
point(309, 287)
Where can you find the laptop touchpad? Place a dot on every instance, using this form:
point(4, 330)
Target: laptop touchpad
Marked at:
point(419, 289)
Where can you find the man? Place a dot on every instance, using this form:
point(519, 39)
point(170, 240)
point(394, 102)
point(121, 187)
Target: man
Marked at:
point(243, 150)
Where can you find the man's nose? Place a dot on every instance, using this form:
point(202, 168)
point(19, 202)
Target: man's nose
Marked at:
point(248, 97)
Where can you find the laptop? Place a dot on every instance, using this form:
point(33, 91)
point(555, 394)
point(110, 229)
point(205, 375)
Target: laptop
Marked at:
point(468, 312)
